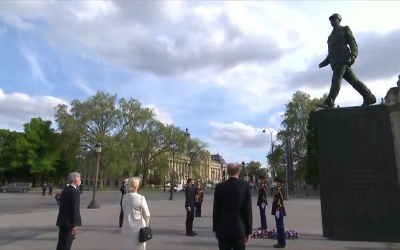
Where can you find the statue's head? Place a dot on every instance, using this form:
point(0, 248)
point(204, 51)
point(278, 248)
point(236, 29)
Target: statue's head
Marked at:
point(335, 20)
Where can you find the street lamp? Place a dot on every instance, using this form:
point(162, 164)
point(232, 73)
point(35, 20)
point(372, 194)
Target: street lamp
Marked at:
point(165, 180)
point(80, 157)
point(271, 131)
point(93, 204)
point(173, 146)
point(246, 178)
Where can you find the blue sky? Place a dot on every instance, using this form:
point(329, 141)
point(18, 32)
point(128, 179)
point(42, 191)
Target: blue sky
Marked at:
point(223, 69)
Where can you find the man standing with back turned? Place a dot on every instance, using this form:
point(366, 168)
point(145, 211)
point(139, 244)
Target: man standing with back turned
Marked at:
point(341, 58)
point(232, 212)
point(69, 215)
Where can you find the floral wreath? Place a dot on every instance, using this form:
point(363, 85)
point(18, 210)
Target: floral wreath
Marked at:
point(273, 234)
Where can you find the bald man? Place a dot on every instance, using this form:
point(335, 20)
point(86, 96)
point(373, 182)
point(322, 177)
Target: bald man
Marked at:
point(232, 212)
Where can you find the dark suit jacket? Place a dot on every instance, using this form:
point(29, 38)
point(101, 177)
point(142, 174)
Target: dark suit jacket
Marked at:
point(69, 214)
point(232, 213)
point(190, 197)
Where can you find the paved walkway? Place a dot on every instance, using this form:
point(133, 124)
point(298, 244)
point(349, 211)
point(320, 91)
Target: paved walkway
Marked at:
point(100, 232)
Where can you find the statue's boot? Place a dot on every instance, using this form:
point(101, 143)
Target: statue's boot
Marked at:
point(369, 100)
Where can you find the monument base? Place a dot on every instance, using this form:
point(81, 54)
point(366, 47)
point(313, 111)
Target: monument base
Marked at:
point(358, 157)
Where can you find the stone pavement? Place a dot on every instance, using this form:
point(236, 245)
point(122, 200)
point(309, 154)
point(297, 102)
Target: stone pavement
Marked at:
point(100, 231)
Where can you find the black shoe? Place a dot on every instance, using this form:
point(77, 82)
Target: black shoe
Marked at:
point(369, 100)
point(279, 246)
point(324, 106)
point(262, 228)
point(191, 234)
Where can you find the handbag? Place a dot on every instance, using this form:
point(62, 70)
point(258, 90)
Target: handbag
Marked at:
point(145, 233)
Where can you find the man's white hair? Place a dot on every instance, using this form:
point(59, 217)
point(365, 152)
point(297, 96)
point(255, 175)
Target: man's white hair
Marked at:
point(73, 176)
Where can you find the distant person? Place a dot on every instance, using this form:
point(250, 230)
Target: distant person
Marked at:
point(190, 202)
point(199, 201)
point(44, 188)
point(123, 192)
point(69, 215)
point(81, 188)
point(136, 215)
point(262, 205)
point(232, 212)
point(278, 210)
point(50, 189)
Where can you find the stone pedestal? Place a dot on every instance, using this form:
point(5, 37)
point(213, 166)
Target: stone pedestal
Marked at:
point(392, 96)
point(358, 156)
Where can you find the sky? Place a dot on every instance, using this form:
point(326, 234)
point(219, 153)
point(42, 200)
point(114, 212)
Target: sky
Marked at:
point(223, 69)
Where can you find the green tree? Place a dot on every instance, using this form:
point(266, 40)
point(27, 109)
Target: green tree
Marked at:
point(195, 149)
point(276, 159)
point(41, 146)
point(295, 119)
point(312, 170)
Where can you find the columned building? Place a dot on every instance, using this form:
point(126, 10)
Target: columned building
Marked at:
point(210, 169)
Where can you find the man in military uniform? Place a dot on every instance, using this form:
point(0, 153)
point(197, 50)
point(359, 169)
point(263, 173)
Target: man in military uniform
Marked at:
point(199, 201)
point(340, 57)
point(279, 211)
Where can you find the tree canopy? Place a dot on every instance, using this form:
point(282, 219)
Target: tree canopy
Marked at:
point(295, 126)
point(133, 141)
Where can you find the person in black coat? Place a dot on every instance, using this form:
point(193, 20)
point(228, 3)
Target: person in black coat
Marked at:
point(279, 211)
point(262, 204)
point(190, 200)
point(123, 192)
point(232, 211)
point(69, 216)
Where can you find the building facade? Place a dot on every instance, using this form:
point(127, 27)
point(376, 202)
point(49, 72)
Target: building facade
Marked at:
point(210, 169)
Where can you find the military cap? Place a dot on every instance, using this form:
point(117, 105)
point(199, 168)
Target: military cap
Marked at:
point(335, 16)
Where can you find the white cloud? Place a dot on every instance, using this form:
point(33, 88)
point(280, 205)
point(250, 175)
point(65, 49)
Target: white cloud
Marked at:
point(36, 69)
point(17, 109)
point(237, 134)
point(161, 114)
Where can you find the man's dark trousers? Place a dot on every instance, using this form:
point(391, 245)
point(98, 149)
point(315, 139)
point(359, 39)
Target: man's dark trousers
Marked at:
point(189, 220)
point(231, 244)
point(263, 217)
point(198, 208)
point(65, 238)
point(121, 218)
point(280, 228)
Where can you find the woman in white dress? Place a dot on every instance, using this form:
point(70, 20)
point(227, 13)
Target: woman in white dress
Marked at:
point(136, 216)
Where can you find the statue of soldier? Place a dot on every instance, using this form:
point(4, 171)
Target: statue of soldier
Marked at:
point(340, 57)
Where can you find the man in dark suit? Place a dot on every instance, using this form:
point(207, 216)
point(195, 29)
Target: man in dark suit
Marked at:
point(190, 200)
point(121, 214)
point(69, 216)
point(232, 213)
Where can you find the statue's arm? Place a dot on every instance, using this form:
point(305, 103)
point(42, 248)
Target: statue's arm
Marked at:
point(351, 41)
point(326, 60)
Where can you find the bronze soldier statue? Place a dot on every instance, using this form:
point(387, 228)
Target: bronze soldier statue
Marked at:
point(340, 57)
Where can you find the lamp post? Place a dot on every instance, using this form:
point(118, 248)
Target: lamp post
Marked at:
point(271, 131)
point(165, 180)
point(247, 175)
point(93, 204)
point(80, 157)
point(173, 146)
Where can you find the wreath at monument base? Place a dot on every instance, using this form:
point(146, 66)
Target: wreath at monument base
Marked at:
point(273, 234)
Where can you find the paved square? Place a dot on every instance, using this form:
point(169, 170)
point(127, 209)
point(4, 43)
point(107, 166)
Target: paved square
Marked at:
point(100, 231)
